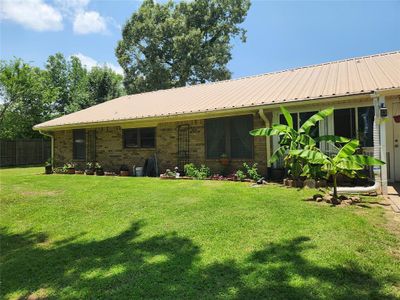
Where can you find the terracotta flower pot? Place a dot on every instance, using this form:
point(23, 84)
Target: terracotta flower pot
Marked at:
point(71, 171)
point(224, 161)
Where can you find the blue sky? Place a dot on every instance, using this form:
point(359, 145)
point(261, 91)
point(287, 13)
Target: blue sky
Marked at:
point(281, 34)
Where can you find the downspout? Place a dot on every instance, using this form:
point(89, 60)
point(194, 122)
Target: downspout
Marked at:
point(377, 154)
point(267, 138)
point(52, 145)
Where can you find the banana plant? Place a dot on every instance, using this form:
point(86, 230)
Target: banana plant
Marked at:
point(345, 162)
point(292, 139)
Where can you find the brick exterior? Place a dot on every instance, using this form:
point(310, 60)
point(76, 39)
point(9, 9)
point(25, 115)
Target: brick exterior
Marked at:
point(111, 153)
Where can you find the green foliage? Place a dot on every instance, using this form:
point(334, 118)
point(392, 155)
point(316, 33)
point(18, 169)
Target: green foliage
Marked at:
point(240, 175)
point(26, 99)
point(292, 140)
point(252, 171)
point(31, 95)
point(174, 44)
point(345, 161)
point(202, 172)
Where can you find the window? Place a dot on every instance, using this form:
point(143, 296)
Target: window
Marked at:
point(79, 144)
point(303, 117)
point(139, 138)
point(230, 136)
point(345, 123)
point(365, 116)
point(282, 120)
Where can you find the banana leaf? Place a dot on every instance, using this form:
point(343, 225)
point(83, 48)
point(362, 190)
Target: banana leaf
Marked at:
point(288, 116)
point(319, 116)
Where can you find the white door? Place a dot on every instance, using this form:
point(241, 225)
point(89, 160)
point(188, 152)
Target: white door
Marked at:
point(396, 142)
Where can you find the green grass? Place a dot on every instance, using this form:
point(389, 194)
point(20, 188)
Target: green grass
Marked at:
point(75, 236)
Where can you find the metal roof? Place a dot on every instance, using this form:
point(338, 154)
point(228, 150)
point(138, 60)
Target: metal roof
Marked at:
point(340, 78)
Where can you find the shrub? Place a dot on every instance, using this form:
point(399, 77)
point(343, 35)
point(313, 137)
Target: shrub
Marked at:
point(240, 175)
point(199, 173)
point(252, 171)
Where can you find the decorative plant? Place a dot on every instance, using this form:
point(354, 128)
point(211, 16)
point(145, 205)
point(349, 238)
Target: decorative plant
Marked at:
point(89, 166)
point(69, 165)
point(240, 175)
point(199, 173)
point(98, 166)
point(345, 162)
point(292, 139)
point(252, 171)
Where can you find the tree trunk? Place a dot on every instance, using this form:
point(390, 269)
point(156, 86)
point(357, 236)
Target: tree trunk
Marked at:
point(335, 196)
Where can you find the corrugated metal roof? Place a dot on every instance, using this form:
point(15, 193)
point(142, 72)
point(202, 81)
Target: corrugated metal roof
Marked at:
point(339, 78)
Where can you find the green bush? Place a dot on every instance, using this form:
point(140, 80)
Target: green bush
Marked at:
point(240, 175)
point(199, 173)
point(252, 171)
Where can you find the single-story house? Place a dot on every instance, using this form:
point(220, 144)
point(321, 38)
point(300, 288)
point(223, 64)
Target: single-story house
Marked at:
point(199, 123)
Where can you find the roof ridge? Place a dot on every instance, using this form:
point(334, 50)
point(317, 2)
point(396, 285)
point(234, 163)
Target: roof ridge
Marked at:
point(267, 73)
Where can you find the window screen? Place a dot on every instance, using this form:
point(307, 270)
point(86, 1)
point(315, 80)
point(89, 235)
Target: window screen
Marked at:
point(215, 137)
point(79, 144)
point(139, 137)
point(304, 116)
point(365, 125)
point(240, 139)
point(282, 120)
point(344, 122)
point(147, 137)
point(131, 138)
point(230, 136)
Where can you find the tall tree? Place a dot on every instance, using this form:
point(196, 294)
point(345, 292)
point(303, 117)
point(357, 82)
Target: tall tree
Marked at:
point(25, 99)
point(175, 44)
point(57, 72)
point(104, 84)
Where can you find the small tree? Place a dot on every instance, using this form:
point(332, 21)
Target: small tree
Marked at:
point(345, 162)
point(292, 139)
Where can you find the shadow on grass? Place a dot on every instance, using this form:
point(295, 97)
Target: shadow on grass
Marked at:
point(168, 266)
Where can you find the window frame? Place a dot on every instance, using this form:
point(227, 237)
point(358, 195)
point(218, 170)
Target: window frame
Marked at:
point(227, 133)
point(139, 138)
point(74, 151)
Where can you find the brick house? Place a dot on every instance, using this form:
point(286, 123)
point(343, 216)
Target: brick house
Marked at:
point(199, 123)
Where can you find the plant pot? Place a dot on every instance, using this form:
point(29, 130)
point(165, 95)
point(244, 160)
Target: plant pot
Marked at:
point(290, 183)
point(99, 172)
point(310, 183)
point(299, 183)
point(71, 171)
point(48, 169)
point(123, 173)
point(89, 172)
point(224, 161)
point(79, 172)
point(397, 118)
point(321, 183)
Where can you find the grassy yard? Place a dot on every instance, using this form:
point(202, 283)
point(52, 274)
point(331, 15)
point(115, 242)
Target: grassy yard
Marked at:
point(75, 236)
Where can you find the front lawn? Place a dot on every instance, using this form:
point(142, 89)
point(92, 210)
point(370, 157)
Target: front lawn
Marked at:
point(76, 236)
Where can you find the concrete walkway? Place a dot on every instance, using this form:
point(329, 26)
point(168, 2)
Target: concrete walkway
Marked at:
point(394, 197)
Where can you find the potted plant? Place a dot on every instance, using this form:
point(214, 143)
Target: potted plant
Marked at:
point(168, 175)
point(70, 168)
point(89, 169)
point(48, 167)
point(240, 176)
point(99, 169)
point(124, 170)
point(223, 159)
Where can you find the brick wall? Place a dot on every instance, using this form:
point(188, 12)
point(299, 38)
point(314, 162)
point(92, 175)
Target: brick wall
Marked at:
point(111, 153)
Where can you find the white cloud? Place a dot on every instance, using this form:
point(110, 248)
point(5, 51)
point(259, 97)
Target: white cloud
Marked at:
point(89, 22)
point(32, 14)
point(89, 63)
